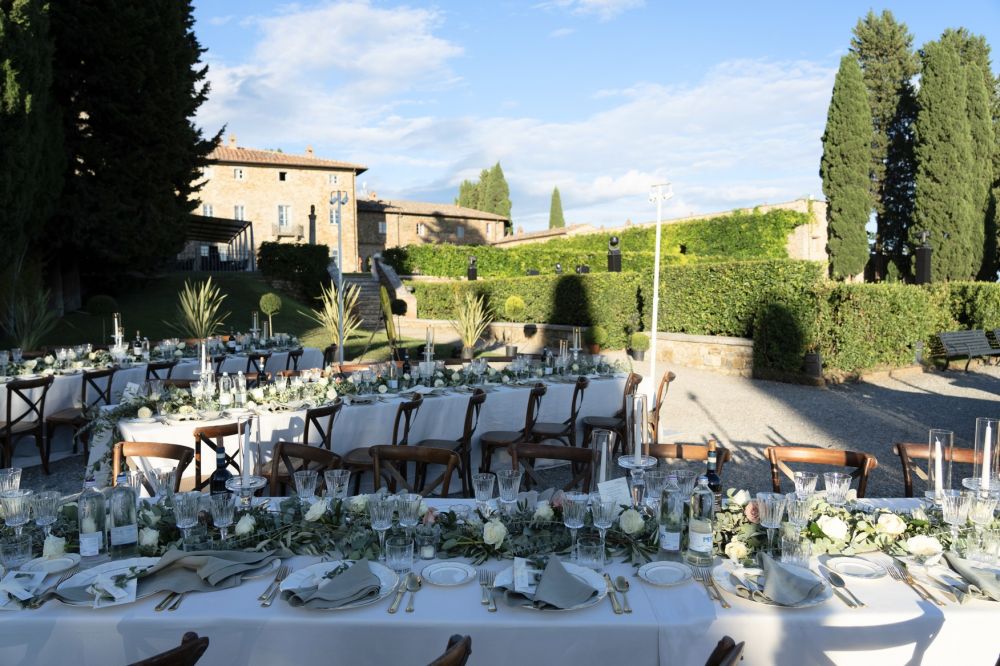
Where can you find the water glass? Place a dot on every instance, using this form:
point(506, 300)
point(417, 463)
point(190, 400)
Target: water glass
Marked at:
point(955, 511)
point(10, 478)
point(163, 482)
point(590, 553)
point(399, 553)
point(656, 479)
point(222, 512)
point(46, 508)
point(409, 510)
point(16, 508)
point(795, 551)
point(574, 509)
point(380, 511)
point(770, 508)
point(604, 511)
point(305, 484)
point(135, 479)
point(805, 483)
point(982, 508)
point(837, 484)
point(509, 481)
point(799, 509)
point(15, 551)
point(482, 485)
point(15, 355)
point(186, 511)
point(685, 479)
point(337, 483)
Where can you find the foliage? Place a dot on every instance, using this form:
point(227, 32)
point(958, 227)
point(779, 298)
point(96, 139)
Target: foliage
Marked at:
point(386, 304)
point(198, 310)
point(597, 335)
point(101, 305)
point(33, 319)
point(303, 266)
point(489, 194)
point(513, 308)
point(556, 218)
point(843, 168)
point(980, 171)
point(779, 334)
point(270, 304)
point(638, 342)
point(328, 315)
point(472, 318)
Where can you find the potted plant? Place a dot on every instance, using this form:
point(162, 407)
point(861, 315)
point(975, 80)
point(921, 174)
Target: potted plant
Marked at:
point(596, 337)
point(473, 317)
point(513, 309)
point(638, 343)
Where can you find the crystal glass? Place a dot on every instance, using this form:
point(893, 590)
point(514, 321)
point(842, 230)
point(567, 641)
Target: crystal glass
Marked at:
point(482, 485)
point(685, 479)
point(305, 484)
point(799, 509)
point(163, 482)
point(770, 508)
point(590, 553)
point(795, 551)
point(135, 479)
point(940, 452)
point(16, 508)
point(509, 481)
point(805, 483)
point(409, 511)
point(15, 355)
point(837, 484)
point(955, 511)
point(186, 511)
point(15, 551)
point(604, 512)
point(399, 553)
point(222, 507)
point(46, 508)
point(337, 483)
point(380, 511)
point(4, 360)
point(656, 479)
point(574, 509)
point(10, 478)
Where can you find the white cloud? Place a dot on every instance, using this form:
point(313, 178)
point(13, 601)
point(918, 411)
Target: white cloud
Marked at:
point(220, 20)
point(561, 32)
point(603, 9)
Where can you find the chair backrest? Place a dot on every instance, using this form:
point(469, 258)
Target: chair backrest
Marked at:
point(100, 381)
point(213, 437)
point(125, 450)
point(18, 392)
point(186, 654)
point(389, 463)
point(472, 411)
point(178, 383)
point(524, 454)
point(348, 368)
point(631, 386)
point(534, 406)
point(217, 363)
point(661, 396)
point(909, 452)
point(154, 369)
point(578, 390)
point(294, 356)
point(862, 463)
point(321, 419)
point(405, 415)
point(457, 654)
point(690, 452)
point(256, 363)
point(329, 355)
point(298, 457)
point(726, 653)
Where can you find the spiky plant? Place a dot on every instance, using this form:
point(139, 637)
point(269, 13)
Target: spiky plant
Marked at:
point(33, 319)
point(472, 319)
point(198, 310)
point(328, 316)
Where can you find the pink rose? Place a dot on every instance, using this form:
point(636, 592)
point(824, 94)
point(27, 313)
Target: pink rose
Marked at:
point(431, 516)
point(557, 499)
point(751, 513)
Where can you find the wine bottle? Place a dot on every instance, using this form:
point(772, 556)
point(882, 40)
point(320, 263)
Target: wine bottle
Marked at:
point(90, 520)
point(217, 482)
point(406, 368)
point(714, 481)
point(124, 524)
point(701, 525)
point(137, 346)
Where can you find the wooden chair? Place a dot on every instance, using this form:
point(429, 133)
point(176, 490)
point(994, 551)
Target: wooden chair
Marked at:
point(909, 453)
point(661, 396)
point(153, 369)
point(348, 368)
point(524, 456)
point(321, 420)
point(726, 653)
point(75, 417)
point(390, 463)
point(457, 654)
point(359, 461)
point(862, 463)
point(329, 355)
point(614, 423)
point(191, 649)
point(30, 422)
point(217, 362)
point(292, 361)
point(494, 440)
point(214, 438)
point(178, 383)
point(565, 431)
point(255, 379)
point(125, 450)
point(256, 364)
point(289, 457)
point(463, 445)
point(690, 452)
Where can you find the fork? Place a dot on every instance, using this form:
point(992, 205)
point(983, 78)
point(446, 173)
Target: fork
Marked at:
point(897, 574)
point(704, 575)
point(278, 577)
point(489, 585)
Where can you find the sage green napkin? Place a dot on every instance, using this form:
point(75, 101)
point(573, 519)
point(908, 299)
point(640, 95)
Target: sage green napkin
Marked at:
point(355, 584)
point(200, 571)
point(987, 582)
point(789, 585)
point(557, 588)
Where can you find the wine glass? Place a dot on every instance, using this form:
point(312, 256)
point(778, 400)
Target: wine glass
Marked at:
point(10, 478)
point(686, 479)
point(656, 480)
point(482, 484)
point(222, 506)
point(955, 511)
point(46, 507)
point(604, 512)
point(574, 509)
point(186, 507)
point(305, 484)
point(409, 511)
point(337, 483)
point(799, 509)
point(770, 507)
point(16, 508)
point(380, 512)
point(805, 483)
point(509, 481)
point(15, 355)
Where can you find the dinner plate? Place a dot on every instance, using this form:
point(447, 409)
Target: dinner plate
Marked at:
point(237, 411)
point(665, 574)
point(858, 567)
point(139, 419)
point(387, 578)
point(448, 573)
point(51, 565)
point(582, 574)
point(720, 575)
point(88, 576)
point(29, 376)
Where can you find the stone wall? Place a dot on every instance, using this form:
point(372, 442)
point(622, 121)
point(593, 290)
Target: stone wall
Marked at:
point(402, 229)
point(724, 355)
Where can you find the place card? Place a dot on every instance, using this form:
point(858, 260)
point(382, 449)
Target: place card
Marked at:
point(616, 489)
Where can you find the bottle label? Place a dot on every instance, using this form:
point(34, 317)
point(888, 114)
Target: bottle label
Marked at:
point(669, 540)
point(124, 535)
point(91, 543)
point(700, 541)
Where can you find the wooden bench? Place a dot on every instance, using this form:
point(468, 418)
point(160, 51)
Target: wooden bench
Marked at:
point(965, 344)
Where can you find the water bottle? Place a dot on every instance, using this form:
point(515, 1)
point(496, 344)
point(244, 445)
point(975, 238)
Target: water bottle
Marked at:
point(124, 525)
point(671, 519)
point(701, 525)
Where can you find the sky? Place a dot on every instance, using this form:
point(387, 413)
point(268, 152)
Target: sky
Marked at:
point(725, 99)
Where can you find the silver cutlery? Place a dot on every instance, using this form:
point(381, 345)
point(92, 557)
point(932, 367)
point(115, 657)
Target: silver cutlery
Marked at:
point(622, 586)
point(177, 602)
point(838, 583)
point(709, 583)
point(278, 577)
point(413, 584)
point(166, 602)
point(951, 593)
point(400, 591)
point(40, 600)
point(489, 585)
point(612, 596)
point(901, 574)
point(484, 579)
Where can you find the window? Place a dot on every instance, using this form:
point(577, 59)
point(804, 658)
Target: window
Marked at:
point(335, 215)
point(333, 257)
point(460, 232)
point(284, 216)
point(239, 174)
point(333, 178)
point(239, 213)
point(223, 253)
point(381, 227)
point(421, 229)
point(489, 229)
point(206, 210)
point(204, 250)
point(282, 175)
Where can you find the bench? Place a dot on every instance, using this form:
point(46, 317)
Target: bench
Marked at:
point(965, 344)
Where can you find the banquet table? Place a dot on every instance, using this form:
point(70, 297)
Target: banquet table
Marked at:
point(676, 626)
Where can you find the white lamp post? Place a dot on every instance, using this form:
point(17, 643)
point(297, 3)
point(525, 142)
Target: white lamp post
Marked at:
point(339, 199)
point(658, 194)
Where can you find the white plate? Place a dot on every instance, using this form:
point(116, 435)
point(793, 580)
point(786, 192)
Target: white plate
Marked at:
point(138, 419)
point(87, 576)
point(51, 565)
point(236, 411)
point(858, 567)
point(29, 376)
point(448, 573)
point(583, 574)
point(665, 574)
point(387, 579)
point(720, 575)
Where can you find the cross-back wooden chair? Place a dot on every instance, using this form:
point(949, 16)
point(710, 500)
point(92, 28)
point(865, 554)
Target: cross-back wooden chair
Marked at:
point(160, 369)
point(861, 464)
point(125, 450)
point(95, 390)
point(564, 431)
point(360, 461)
point(257, 363)
point(457, 654)
point(255, 379)
point(214, 438)
point(321, 420)
point(657, 411)
point(188, 653)
point(217, 362)
point(494, 440)
point(463, 445)
point(329, 355)
point(292, 361)
point(614, 423)
point(289, 457)
point(727, 652)
point(691, 452)
point(30, 422)
point(390, 462)
point(178, 383)
point(348, 368)
point(909, 453)
point(524, 455)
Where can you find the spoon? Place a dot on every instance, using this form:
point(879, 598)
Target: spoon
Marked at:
point(838, 582)
point(413, 583)
point(621, 584)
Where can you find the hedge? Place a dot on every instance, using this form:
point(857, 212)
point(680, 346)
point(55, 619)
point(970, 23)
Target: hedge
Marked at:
point(304, 266)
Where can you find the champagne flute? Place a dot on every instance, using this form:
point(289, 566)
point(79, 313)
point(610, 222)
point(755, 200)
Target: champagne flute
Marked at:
point(380, 512)
point(604, 512)
point(222, 513)
point(46, 506)
point(574, 508)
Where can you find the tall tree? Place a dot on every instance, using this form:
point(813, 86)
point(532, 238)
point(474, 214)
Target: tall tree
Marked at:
point(844, 170)
point(468, 194)
point(481, 187)
point(884, 49)
point(556, 219)
point(943, 151)
point(129, 91)
point(497, 194)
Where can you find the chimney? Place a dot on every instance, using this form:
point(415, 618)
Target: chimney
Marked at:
point(232, 140)
point(309, 151)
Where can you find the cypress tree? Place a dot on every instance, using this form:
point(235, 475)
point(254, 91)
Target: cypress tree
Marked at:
point(943, 151)
point(497, 193)
point(468, 194)
point(844, 170)
point(481, 191)
point(979, 171)
point(556, 219)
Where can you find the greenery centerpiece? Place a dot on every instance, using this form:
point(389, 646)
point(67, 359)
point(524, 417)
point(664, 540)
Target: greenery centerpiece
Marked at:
point(472, 319)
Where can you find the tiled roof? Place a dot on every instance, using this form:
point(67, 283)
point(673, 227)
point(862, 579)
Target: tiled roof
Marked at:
point(240, 155)
point(424, 208)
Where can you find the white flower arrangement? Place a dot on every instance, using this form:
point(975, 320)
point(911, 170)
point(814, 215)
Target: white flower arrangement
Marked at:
point(149, 537)
point(144, 413)
point(891, 524)
point(494, 532)
point(53, 547)
point(358, 504)
point(631, 521)
point(543, 511)
point(317, 510)
point(438, 383)
point(246, 525)
point(833, 527)
point(737, 551)
point(382, 388)
point(740, 498)
point(923, 546)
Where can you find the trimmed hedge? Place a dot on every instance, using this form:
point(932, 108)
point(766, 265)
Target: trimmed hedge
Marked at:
point(304, 266)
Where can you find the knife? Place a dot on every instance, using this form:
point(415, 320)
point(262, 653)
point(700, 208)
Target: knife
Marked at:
point(920, 589)
point(611, 595)
point(400, 591)
point(947, 590)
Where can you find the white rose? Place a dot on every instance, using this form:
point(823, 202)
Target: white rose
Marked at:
point(438, 383)
point(331, 393)
point(178, 353)
point(150, 517)
point(833, 527)
point(736, 550)
point(406, 376)
point(350, 379)
point(54, 546)
point(505, 379)
point(49, 359)
point(494, 533)
point(891, 524)
point(740, 498)
point(359, 503)
point(257, 394)
point(923, 546)
point(317, 510)
point(149, 537)
point(246, 525)
point(144, 412)
point(48, 372)
point(181, 345)
point(631, 521)
point(423, 508)
point(576, 367)
point(539, 372)
point(30, 364)
point(543, 511)
point(382, 388)
point(919, 514)
point(92, 356)
point(251, 405)
point(323, 381)
point(186, 409)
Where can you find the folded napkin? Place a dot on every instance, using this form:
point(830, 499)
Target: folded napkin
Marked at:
point(103, 591)
point(980, 581)
point(557, 588)
point(355, 584)
point(789, 585)
point(16, 587)
point(201, 571)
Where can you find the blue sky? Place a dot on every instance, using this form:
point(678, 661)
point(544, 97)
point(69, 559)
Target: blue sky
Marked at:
point(601, 98)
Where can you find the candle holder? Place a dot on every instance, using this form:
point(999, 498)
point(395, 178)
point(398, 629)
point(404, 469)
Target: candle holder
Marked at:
point(940, 453)
point(637, 475)
point(987, 453)
point(244, 487)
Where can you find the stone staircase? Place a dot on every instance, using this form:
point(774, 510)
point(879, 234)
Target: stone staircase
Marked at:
point(369, 308)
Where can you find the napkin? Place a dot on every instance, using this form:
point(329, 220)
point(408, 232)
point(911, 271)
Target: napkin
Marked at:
point(788, 585)
point(987, 582)
point(16, 587)
point(201, 571)
point(355, 584)
point(557, 588)
point(102, 591)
